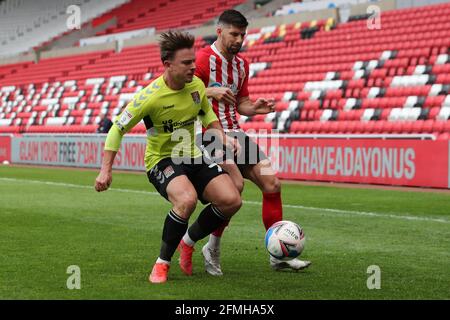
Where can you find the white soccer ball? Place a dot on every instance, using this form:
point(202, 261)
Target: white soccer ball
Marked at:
point(285, 240)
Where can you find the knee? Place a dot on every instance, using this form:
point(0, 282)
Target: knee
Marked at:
point(239, 185)
point(272, 185)
point(185, 205)
point(236, 203)
point(229, 204)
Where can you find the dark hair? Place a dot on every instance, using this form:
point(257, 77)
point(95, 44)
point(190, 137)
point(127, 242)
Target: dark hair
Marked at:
point(234, 18)
point(172, 41)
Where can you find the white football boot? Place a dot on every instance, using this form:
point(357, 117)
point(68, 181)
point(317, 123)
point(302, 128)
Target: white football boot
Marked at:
point(294, 264)
point(212, 260)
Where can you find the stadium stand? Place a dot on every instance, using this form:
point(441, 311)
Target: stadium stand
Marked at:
point(315, 5)
point(172, 14)
point(390, 80)
point(28, 24)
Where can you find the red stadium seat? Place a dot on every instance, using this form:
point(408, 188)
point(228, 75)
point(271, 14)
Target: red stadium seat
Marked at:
point(293, 65)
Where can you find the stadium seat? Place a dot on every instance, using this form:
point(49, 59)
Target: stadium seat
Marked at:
point(379, 82)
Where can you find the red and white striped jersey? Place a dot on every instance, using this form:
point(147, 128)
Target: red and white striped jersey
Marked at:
point(216, 71)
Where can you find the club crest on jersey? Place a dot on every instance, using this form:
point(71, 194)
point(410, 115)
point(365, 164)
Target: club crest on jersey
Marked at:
point(168, 171)
point(196, 97)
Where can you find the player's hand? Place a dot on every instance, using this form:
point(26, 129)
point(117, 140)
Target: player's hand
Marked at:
point(234, 145)
point(103, 181)
point(263, 105)
point(223, 94)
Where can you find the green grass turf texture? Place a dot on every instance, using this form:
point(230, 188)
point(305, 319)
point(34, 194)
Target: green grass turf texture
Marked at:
point(114, 237)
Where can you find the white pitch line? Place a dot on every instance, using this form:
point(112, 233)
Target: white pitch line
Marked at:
point(361, 213)
point(339, 211)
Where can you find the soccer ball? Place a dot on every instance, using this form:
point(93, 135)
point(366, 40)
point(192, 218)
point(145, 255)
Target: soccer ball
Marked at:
point(285, 240)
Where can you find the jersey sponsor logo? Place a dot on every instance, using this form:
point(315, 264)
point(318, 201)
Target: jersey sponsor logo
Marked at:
point(232, 86)
point(168, 126)
point(196, 97)
point(168, 171)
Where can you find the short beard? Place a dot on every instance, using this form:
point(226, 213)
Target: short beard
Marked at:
point(233, 51)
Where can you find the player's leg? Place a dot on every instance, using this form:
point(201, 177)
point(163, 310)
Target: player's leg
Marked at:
point(265, 178)
point(233, 171)
point(224, 201)
point(211, 250)
point(255, 166)
point(225, 158)
point(172, 183)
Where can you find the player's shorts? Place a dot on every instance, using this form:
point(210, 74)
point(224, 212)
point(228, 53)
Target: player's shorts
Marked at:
point(197, 171)
point(250, 154)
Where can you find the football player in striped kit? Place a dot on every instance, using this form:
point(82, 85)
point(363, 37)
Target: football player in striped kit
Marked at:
point(225, 74)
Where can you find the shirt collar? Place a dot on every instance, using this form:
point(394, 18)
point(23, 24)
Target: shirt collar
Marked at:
point(214, 48)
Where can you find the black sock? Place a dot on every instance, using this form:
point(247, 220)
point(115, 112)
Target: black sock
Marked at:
point(174, 229)
point(208, 221)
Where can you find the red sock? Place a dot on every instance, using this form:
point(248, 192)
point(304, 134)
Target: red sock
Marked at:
point(218, 232)
point(272, 210)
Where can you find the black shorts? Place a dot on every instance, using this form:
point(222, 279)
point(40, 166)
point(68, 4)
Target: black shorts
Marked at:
point(250, 154)
point(197, 171)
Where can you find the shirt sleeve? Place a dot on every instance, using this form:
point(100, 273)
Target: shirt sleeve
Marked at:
point(207, 115)
point(244, 89)
point(130, 117)
point(113, 139)
point(134, 111)
point(202, 68)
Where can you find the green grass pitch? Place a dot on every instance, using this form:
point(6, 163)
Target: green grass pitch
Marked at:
point(51, 219)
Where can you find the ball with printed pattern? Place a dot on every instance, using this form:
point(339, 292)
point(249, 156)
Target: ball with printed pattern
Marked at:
point(285, 240)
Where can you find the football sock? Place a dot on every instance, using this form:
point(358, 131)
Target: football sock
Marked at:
point(174, 229)
point(159, 260)
point(218, 232)
point(214, 241)
point(272, 209)
point(188, 240)
point(208, 220)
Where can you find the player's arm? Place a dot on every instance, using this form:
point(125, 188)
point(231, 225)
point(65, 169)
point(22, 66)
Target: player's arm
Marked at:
point(130, 117)
point(221, 94)
point(229, 142)
point(261, 106)
point(104, 178)
point(112, 145)
point(245, 105)
point(211, 122)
